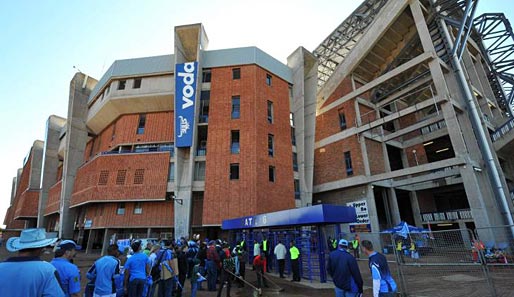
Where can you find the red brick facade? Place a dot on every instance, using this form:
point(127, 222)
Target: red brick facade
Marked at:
point(101, 179)
point(27, 205)
point(153, 214)
point(54, 196)
point(252, 192)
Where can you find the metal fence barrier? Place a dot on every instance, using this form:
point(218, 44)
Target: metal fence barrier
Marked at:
point(450, 263)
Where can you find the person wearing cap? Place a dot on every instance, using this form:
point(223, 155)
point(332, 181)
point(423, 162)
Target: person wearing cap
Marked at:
point(345, 273)
point(294, 252)
point(26, 274)
point(137, 269)
point(69, 273)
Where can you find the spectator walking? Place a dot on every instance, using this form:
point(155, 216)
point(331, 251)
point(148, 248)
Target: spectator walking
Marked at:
point(294, 252)
point(137, 268)
point(69, 274)
point(26, 274)
point(280, 253)
point(202, 256)
point(168, 267)
point(227, 270)
point(183, 269)
point(104, 272)
point(343, 269)
point(212, 262)
point(383, 283)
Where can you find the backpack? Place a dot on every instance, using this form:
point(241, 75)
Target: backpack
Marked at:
point(229, 263)
point(156, 269)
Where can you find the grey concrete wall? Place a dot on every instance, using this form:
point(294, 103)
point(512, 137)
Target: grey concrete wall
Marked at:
point(13, 190)
point(35, 168)
point(304, 66)
point(50, 164)
point(76, 137)
point(190, 41)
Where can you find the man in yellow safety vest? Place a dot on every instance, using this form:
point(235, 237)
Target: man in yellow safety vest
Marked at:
point(295, 265)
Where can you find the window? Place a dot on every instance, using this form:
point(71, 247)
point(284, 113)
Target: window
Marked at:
point(141, 124)
point(206, 76)
point(291, 119)
point(234, 142)
point(234, 171)
point(268, 79)
point(171, 173)
point(120, 178)
point(342, 119)
point(293, 137)
point(121, 208)
point(199, 171)
point(104, 176)
point(271, 174)
point(295, 161)
point(139, 176)
point(270, 145)
point(236, 73)
point(204, 106)
point(348, 163)
point(137, 83)
point(296, 189)
point(235, 107)
point(138, 208)
point(107, 89)
point(121, 84)
point(270, 112)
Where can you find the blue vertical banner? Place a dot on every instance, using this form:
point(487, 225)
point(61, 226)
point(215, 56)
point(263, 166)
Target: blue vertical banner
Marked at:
point(185, 97)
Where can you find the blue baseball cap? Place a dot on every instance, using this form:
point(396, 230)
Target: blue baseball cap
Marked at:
point(343, 242)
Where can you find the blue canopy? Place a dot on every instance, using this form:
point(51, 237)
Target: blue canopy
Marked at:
point(403, 229)
point(312, 215)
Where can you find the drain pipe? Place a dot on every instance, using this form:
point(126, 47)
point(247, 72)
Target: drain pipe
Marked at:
point(474, 117)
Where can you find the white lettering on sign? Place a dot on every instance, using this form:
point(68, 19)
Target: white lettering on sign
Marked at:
point(361, 209)
point(188, 78)
point(248, 221)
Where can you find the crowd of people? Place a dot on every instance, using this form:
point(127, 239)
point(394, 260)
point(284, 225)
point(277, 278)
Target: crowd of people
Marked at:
point(161, 269)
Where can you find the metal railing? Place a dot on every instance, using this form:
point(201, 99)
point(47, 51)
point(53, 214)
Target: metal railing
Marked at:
point(503, 130)
point(451, 215)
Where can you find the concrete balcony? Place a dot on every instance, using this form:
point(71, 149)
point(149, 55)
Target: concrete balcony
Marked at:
point(155, 93)
point(503, 138)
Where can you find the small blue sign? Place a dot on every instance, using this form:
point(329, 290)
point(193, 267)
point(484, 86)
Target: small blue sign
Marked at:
point(185, 97)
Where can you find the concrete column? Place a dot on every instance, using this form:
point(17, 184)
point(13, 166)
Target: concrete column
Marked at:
point(415, 209)
point(190, 41)
point(393, 204)
point(76, 137)
point(466, 234)
point(37, 161)
point(107, 237)
point(304, 66)
point(54, 124)
point(148, 232)
point(92, 236)
point(387, 208)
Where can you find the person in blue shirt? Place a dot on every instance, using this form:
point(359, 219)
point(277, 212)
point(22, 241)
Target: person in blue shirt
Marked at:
point(344, 270)
point(69, 273)
point(383, 283)
point(26, 274)
point(137, 268)
point(104, 273)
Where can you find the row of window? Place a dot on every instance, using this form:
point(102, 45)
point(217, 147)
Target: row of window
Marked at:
point(234, 172)
point(121, 176)
point(120, 210)
point(236, 74)
point(136, 83)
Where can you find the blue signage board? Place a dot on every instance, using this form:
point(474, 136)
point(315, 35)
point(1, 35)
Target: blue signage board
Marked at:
point(185, 97)
point(312, 215)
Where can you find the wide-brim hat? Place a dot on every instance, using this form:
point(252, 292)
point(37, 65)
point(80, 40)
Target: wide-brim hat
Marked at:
point(29, 239)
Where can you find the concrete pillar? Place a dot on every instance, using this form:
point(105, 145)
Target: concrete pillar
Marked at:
point(92, 236)
point(466, 234)
point(415, 209)
point(35, 168)
point(107, 237)
point(393, 204)
point(148, 232)
point(190, 41)
point(54, 124)
point(304, 66)
point(76, 137)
